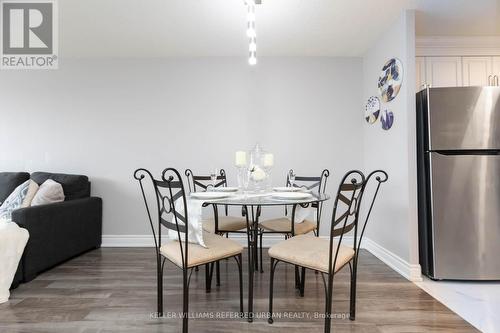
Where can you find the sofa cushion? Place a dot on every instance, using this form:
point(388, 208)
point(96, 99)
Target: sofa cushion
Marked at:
point(9, 181)
point(48, 193)
point(32, 189)
point(74, 186)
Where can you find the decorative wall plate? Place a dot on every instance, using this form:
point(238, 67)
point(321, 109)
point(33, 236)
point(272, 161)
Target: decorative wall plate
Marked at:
point(390, 80)
point(387, 119)
point(372, 109)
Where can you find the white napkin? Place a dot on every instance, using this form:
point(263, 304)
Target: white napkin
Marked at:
point(301, 214)
point(195, 228)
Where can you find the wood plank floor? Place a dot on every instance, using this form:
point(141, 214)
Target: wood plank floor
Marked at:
point(113, 290)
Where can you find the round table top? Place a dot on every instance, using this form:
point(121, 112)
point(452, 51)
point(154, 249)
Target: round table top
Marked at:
point(264, 199)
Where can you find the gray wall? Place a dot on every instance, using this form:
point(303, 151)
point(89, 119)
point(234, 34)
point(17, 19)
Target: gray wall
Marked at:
point(104, 118)
point(394, 222)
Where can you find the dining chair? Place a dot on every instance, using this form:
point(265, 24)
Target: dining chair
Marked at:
point(284, 225)
point(328, 256)
point(184, 255)
point(218, 224)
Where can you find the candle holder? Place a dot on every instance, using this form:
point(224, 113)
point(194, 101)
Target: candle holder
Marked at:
point(254, 175)
point(242, 167)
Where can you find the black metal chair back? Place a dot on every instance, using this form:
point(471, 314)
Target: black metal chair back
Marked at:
point(345, 211)
point(315, 184)
point(310, 183)
point(377, 177)
point(167, 191)
point(197, 182)
point(350, 195)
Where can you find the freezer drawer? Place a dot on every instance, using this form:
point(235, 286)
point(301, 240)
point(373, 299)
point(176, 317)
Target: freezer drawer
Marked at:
point(464, 118)
point(466, 216)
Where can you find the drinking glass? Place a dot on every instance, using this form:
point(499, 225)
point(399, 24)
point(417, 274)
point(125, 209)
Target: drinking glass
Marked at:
point(245, 181)
point(291, 179)
point(213, 178)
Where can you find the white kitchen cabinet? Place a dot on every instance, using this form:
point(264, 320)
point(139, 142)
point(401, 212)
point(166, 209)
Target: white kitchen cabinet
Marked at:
point(495, 70)
point(477, 71)
point(420, 73)
point(443, 71)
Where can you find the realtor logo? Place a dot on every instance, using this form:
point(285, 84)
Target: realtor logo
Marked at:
point(28, 34)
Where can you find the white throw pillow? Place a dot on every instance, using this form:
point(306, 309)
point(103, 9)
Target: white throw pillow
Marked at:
point(49, 192)
point(12, 242)
point(32, 189)
point(14, 201)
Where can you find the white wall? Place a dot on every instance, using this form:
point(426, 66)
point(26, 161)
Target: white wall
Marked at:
point(394, 224)
point(105, 118)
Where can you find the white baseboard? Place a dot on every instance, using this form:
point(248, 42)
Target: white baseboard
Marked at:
point(410, 271)
point(407, 270)
point(127, 241)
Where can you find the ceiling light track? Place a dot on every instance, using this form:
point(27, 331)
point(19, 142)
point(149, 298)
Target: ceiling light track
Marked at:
point(251, 31)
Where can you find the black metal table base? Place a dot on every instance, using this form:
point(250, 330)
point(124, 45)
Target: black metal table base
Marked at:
point(253, 261)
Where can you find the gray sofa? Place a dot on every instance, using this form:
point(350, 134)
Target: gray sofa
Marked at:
point(58, 231)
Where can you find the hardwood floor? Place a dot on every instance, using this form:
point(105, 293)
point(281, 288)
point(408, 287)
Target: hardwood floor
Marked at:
point(114, 290)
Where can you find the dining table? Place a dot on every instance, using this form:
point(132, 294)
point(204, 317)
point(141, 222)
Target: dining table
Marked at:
point(251, 204)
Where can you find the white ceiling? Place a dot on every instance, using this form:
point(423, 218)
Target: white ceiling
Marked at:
point(157, 28)
point(194, 28)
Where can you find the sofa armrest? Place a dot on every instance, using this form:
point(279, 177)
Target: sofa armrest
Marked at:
point(58, 232)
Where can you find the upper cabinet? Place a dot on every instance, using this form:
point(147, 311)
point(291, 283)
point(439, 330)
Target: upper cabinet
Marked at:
point(444, 61)
point(481, 71)
point(477, 71)
point(495, 64)
point(420, 73)
point(443, 71)
point(457, 71)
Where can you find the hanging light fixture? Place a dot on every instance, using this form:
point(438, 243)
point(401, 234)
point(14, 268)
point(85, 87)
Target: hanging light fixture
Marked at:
point(251, 31)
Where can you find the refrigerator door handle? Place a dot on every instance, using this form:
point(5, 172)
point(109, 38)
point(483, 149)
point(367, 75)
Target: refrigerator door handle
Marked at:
point(466, 152)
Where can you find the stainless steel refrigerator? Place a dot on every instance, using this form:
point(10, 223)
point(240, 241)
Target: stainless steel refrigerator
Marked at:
point(458, 154)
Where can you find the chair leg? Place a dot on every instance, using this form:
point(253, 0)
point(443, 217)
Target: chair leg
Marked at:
point(352, 314)
point(261, 269)
point(256, 251)
point(217, 273)
point(328, 310)
point(250, 281)
point(270, 320)
point(208, 278)
point(240, 271)
point(159, 287)
point(185, 302)
point(317, 235)
point(297, 278)
point(302, 281)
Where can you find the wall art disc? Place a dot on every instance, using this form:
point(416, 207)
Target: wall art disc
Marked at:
point(387, 119)
point(390, 80)
point(372, 109)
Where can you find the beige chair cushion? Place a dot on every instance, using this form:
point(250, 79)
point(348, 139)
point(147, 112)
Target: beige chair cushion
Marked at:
point(285, 225)
point(226, 223)
point(310, 252)
point(218, 248)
